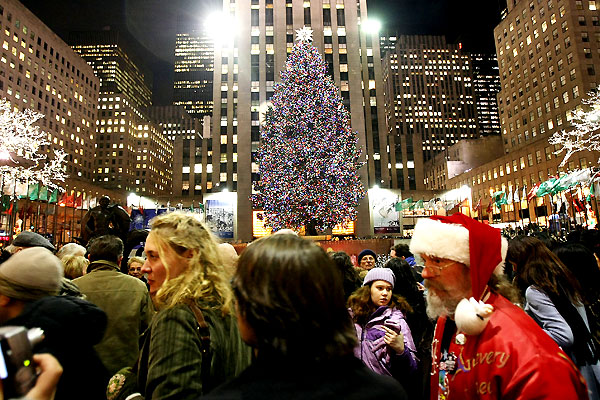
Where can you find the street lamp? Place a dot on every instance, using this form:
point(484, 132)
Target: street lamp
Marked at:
point(221, 26)
point(372, 26)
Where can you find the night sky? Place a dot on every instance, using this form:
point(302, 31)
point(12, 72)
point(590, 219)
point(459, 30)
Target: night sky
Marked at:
point(470, 22)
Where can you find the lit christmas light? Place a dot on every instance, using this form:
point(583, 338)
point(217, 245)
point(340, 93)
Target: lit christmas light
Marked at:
point(308, 157)
point(20, 154)
point(584, 132)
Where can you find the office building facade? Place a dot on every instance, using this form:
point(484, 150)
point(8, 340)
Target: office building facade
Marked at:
point(486, 86)
point(190, 153)
point(429, 104)
point(114, 64)
point(548, 52)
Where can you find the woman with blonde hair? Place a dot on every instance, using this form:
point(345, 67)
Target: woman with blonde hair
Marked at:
point(193, 343)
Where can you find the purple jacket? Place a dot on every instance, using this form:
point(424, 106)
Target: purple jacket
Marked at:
point(372, 349)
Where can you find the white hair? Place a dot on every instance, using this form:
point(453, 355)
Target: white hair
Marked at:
point(71, 249)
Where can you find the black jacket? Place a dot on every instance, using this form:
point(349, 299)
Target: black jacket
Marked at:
point(71, 328)
point(287, 379)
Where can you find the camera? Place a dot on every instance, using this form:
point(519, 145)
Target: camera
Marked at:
point(17, 369)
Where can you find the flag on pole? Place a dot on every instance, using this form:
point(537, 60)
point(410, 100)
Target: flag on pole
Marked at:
point(516, 195)
point(54, 196)
point(533, 191)
point(43, 193)
point(418, 205)
point(499, 198)
point(79, 201)
point(509, 198)
point(33, 191)
point(404, 204)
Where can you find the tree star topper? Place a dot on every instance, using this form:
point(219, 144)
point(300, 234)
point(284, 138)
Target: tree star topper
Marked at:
point(304, 34)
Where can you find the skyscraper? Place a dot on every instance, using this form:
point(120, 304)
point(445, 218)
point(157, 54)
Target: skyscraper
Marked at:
point(115, 65)
point(247, 64)
point(194, 58)
point(132, 154)
point(486, 85)
point(429, 105)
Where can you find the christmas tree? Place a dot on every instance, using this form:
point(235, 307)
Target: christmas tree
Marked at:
point(308, 155)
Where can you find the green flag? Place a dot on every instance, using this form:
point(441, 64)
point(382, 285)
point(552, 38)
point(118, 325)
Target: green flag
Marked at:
point(33, 191)
point(43, 193)
point(192, 207)
point(545, 188)
point(201, 207)
point(404, 204)
point(418, 205)
point(499, 198)
point(5, 203)
point(54, 196)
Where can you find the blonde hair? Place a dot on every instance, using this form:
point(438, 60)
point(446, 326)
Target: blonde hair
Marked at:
point(74, 266)
point(204, 277)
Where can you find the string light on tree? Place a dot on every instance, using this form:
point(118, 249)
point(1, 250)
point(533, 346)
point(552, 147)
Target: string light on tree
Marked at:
point(21, 156)
point(584, 132)
point(308, 156)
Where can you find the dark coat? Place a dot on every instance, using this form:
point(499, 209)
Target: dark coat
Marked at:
point(279, 378)
point(171, 358)
point(71, 328)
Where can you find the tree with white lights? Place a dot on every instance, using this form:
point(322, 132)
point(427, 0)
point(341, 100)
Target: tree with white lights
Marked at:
point(21, 158)
point(308, 155)
point(584, 132)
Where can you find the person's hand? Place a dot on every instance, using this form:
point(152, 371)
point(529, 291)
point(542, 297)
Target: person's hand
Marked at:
point(45, 386)
point(394, 340)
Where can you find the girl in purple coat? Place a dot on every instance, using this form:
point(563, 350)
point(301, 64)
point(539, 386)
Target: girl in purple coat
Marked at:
point(385, 343)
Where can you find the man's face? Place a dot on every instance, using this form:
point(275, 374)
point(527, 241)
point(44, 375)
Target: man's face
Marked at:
point(447, 282)
point(367, 262)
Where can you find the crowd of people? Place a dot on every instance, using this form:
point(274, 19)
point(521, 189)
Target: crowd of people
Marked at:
point(481, 317)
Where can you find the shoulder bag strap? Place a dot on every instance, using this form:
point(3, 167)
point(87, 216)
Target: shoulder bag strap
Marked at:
point(204, 335)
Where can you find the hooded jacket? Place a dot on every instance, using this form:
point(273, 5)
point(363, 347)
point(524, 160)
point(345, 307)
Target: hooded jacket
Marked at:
point(71, 328)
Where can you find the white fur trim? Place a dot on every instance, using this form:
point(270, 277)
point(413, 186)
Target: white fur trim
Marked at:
point(439, 239)
point(499, 270)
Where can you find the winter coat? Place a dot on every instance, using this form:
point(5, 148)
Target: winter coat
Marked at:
point(126, 302)
point(372, 349)
point(283, 378)
point(171, 358)
point(540, 307)
point(511, 359)
point(71, 327)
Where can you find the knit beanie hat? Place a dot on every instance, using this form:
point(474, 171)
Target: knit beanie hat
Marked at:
point(31, 274)
point(32, 239)
point(366, 252)
point(460, 238)
point(380, 274)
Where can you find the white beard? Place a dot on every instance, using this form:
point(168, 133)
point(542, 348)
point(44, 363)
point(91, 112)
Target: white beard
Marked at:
point(437, 307)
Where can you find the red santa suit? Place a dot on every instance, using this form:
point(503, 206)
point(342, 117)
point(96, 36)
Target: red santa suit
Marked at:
point(511, 359)
point(494, 350)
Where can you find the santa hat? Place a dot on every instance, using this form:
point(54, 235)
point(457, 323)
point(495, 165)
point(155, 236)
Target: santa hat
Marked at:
point(460, 238)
